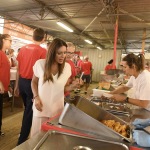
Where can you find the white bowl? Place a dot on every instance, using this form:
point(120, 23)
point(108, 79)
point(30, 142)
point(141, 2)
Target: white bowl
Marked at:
point(107, 95)
point(97, 93)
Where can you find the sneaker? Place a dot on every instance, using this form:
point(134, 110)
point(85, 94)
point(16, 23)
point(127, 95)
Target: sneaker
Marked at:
point(1, 133)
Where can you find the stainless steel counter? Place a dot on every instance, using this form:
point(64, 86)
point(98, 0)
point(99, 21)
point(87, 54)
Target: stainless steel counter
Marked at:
point(32, 142)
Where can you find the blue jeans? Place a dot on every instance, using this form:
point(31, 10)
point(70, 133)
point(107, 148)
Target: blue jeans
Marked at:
point(27, 96)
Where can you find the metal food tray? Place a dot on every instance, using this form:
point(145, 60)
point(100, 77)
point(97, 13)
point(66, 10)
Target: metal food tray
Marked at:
point(113, 107)
point(84, 115)
point(55, 140)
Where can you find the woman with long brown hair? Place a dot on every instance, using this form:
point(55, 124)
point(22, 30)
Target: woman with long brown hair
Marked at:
point(49, 83)
point(5, 43)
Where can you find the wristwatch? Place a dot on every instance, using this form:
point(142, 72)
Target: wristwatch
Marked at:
point(126, 100)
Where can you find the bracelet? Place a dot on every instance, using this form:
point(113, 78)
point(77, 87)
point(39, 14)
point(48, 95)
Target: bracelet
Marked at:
point(35, 96)
point(126, 100)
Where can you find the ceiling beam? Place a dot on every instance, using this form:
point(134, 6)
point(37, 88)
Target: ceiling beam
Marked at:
point(77, 30)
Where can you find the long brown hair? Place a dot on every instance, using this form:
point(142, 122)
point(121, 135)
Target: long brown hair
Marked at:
point(137, 60)
point(50, 59)
point(3, 36)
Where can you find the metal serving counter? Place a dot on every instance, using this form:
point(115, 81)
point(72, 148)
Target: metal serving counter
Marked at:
point(33, 142)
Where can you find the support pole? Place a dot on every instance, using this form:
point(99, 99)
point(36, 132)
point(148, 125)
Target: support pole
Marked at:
point(143, 40)
point(115, 40)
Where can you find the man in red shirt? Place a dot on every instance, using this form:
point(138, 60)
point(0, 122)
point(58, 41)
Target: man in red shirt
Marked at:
point(86, 67)
point(109, 66)
point(27, 57)
point(69, 56)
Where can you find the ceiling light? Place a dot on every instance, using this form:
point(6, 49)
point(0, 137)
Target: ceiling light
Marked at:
point(88, 41)
point(99, 48)
point(64, 26)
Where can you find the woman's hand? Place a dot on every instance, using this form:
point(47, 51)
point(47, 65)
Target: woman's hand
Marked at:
point(1, 88)
point(118, 97)
point(76, 83)
point(38, 103)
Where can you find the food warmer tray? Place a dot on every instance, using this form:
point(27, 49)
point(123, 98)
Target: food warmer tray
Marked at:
point(82, 114)
point(112, 106)
point(55, 140)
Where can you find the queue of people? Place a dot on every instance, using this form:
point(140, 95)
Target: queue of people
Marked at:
point(55, 72)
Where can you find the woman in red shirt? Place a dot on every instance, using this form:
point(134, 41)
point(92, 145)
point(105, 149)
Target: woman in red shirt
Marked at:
point(5, 43)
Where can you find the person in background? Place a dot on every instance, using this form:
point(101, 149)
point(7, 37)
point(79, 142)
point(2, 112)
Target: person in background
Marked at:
point(27, 57)
point(133, 65)
point(147, 66)
point(5, 43)
point(12, 58)
point(49, 83)
point(86, 68)
point(69, 56)
point(109, 66)
point(78, 65)
point(48, 44)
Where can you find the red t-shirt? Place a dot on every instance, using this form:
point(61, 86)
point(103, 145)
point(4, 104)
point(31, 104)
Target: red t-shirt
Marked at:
point(27, 57)
point(73, 73)
point(73, 70)
point(86, 67)
point(4, 70)
point(108, 67)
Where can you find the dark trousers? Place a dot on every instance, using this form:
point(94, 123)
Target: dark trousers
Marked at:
point(1, 109)
point(27, 95)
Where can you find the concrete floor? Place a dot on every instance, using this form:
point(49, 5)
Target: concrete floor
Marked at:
point(12, 120)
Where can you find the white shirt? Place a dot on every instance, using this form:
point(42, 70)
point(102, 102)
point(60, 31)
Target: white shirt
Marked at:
point(140, 85)
point(50, 93)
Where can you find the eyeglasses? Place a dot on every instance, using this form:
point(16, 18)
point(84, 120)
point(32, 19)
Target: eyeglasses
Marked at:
point(70, 53)
point(9, 40)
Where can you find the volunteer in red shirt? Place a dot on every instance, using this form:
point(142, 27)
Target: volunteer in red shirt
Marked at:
point(27, 57)
point(69, 56)
point(86, 67)
point(109, 66)
point(5, 43)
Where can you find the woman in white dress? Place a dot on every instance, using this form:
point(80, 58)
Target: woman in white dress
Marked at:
point(49, 83)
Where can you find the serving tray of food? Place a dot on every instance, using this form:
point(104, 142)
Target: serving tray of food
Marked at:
point(82, 114)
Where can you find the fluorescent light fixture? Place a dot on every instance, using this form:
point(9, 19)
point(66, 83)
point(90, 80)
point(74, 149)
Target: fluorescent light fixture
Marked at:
point(99, 48)
point(64, 26)
point(88, 41)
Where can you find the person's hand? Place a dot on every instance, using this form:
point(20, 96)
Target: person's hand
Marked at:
point(76, 83)
point(141, 138)
point(141, 123)
point(118, 97)
point(81, 82)
point(16, 91)
point(1, 88)
point(38, 103)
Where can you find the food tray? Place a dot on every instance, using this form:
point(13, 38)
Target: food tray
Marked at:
point(84, 115)
point(55, 140)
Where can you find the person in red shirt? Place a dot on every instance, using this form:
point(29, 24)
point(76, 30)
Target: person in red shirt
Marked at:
point(78, 65)
point(27, 57)
point(86, 67)
point(109, 66)
point(69, 56)
point(5, 43)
